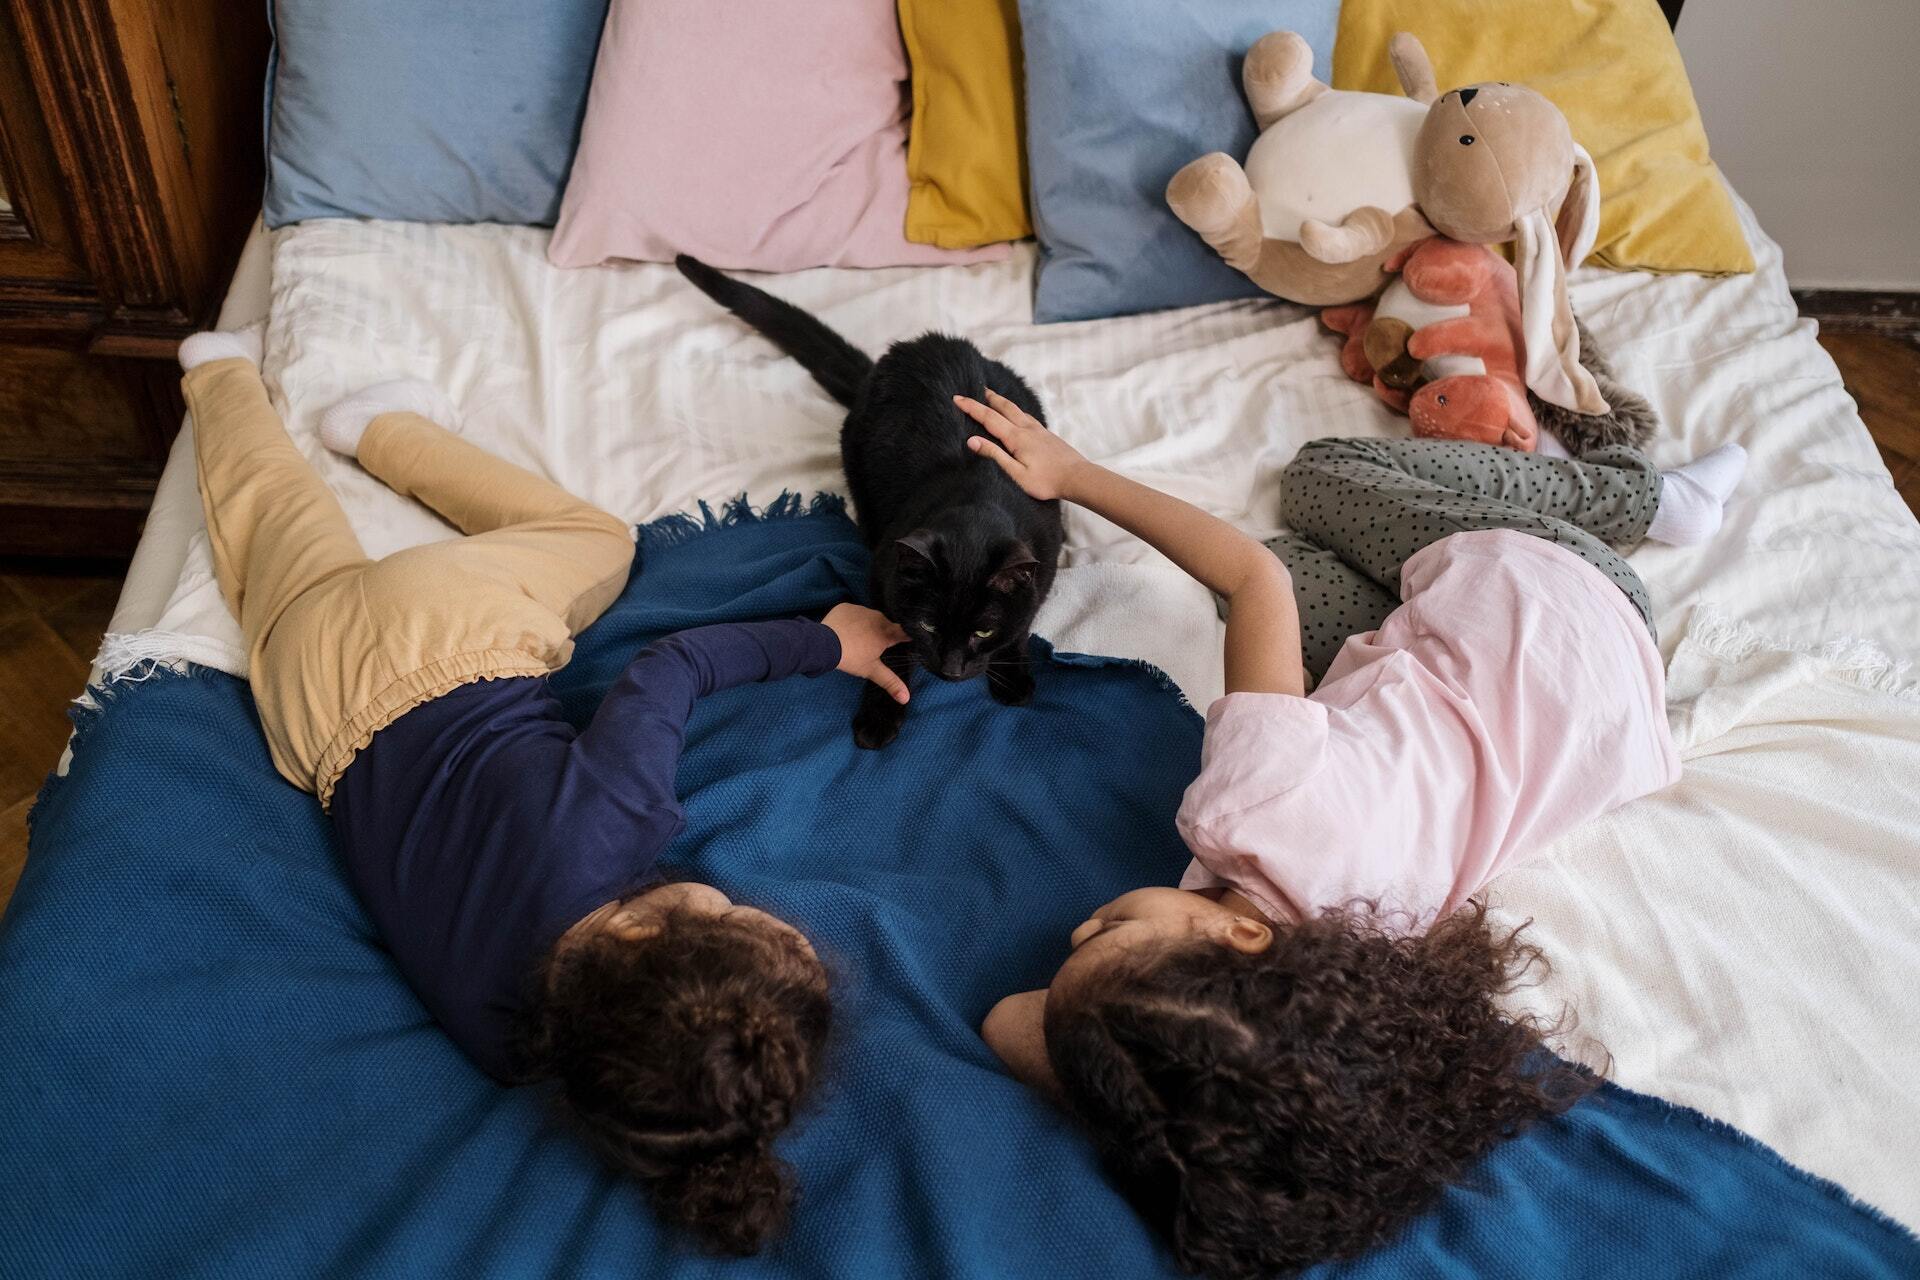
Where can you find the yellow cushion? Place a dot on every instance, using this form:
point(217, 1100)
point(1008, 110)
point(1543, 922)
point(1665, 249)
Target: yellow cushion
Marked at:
point(1613, 68)
point(966, 154)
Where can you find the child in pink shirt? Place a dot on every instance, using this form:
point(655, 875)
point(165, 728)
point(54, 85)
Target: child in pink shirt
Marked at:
point(1298, 1048)
point(1514, 695)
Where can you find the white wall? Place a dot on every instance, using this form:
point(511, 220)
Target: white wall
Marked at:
point(1812, 109)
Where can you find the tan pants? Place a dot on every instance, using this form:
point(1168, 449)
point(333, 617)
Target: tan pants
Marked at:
point(340, 645)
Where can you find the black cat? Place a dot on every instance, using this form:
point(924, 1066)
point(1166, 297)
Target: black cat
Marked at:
point(961, 557)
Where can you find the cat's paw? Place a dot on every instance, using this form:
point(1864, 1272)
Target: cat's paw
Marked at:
point(1013, 688)
point(875, 725)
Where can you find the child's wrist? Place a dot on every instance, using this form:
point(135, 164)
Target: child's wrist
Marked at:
point(1078, 479)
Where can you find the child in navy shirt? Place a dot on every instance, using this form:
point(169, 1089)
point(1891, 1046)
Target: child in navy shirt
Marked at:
point(507, 860)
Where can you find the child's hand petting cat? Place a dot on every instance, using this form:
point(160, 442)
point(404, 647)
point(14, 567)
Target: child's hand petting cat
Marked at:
point(865, 634)
point(1040, 462)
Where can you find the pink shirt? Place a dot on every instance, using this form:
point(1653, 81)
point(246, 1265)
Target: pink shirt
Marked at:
point(1513, 695)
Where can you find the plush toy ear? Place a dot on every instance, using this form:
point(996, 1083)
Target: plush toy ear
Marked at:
point(1016, 570)
point(1415, 69)
point(1543, 254)
point(1554, 371)
point(1577, 225)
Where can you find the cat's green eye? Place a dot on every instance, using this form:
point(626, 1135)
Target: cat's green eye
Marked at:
point(983, 635)
point(927, 627)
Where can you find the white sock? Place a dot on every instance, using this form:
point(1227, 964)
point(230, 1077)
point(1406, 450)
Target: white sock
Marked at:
point(1693, 497)
point(247, 344)
point(1550, 446)
point(342, 426)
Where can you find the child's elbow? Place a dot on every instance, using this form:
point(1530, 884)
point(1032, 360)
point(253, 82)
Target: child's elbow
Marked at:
point(1263, 573)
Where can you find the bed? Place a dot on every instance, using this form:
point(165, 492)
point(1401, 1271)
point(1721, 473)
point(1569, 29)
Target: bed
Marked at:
point(1745, 943)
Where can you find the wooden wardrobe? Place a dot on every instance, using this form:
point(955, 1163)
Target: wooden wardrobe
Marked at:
point(130, 172)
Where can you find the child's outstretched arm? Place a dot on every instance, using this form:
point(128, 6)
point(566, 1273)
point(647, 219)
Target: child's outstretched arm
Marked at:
point(630, 754)
point(1263, 626)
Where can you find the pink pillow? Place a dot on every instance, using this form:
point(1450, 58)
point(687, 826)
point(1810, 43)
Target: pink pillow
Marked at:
point(756, 136)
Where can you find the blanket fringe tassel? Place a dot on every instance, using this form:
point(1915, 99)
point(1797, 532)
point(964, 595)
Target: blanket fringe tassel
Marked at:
point(1856, 661)
point(671, 530)
point(133, 656)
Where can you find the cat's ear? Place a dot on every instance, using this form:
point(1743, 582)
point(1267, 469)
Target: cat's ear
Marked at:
point(914, 553)
point(1017, 567)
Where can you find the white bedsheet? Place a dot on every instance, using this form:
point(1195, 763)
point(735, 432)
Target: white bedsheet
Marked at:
point(174, 518)
point(1747, 942)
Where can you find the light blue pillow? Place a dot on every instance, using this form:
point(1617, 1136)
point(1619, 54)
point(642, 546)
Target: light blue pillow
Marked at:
point(426, 110)
point(1120, 95)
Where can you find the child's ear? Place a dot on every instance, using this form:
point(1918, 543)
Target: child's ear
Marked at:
point(1243, 934)
point(1016, 1030)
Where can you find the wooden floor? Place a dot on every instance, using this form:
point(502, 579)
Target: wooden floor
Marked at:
point(51, 617)
point(51, 620)
point(1884, 376)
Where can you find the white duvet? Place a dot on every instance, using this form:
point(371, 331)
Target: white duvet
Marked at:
point(1747, 942)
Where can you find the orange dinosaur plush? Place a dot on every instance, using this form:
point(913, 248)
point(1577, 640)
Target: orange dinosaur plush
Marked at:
point(1444, 344)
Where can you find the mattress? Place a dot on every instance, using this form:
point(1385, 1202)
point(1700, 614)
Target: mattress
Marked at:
point(1746, 942)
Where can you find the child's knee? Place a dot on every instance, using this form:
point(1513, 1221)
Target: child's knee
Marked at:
point(1335, 449)
point(611, 537)
point(1306, 489)
point(588, 519)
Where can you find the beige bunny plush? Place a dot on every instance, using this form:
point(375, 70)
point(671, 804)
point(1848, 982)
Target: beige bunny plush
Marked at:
point(1339, 183)
point(1496, 162)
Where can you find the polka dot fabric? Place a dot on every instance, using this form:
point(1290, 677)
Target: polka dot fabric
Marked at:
point(1359, 509)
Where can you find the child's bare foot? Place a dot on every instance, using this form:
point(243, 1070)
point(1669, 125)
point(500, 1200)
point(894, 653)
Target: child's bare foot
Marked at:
point(247, 344)
point(342, 426)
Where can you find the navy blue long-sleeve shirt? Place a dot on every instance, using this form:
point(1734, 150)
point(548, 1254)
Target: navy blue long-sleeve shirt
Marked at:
point(478, 827)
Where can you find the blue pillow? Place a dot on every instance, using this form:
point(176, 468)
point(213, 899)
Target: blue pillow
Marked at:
point(1120, 95)
point(426, 111)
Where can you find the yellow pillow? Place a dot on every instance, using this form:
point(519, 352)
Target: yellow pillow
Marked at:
point(1613, 68)
point(966, 153)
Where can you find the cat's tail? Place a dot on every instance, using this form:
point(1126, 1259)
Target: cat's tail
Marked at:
point(835, 363)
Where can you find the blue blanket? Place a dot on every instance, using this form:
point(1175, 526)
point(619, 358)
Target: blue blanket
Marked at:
point(208, 1065)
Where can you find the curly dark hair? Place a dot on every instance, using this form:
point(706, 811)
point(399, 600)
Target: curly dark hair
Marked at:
point(1268, 1112)
point(681, 1056)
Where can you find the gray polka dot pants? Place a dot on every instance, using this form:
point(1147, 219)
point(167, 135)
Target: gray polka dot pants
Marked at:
point(1359, 509)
